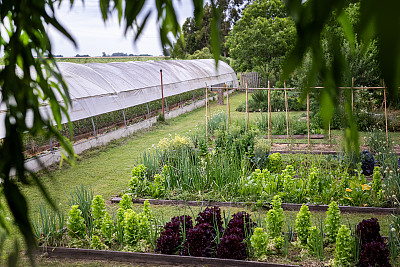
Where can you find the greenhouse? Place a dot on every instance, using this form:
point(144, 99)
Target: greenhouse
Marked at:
point(97, 88)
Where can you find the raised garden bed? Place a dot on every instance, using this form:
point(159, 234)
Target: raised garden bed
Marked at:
point(285, 206)
point(146, 258)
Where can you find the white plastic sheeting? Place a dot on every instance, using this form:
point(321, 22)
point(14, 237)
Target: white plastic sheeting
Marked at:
point(98, 88)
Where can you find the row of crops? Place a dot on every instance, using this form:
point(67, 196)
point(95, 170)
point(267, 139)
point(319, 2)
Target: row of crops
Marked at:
point(236, 164)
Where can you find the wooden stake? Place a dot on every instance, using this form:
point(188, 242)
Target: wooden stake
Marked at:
point(206, 113)
point(227, 104)
point(247, 107)
point(287, 113)
point(308, 118)
point(162, 95)
point(352, 94)
point(386, 121)
point(269, 112)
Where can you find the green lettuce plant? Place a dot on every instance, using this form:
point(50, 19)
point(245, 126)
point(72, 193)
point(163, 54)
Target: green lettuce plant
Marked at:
point(107, 228)
point(275, 218)
point(126, 202)
point(303, 224)
point(75, 223)
point(275, 163)
point(343, 253)
point(332, 222)
point(96, 243)
point(131, 227)
point(259, 242)
point(98, 209)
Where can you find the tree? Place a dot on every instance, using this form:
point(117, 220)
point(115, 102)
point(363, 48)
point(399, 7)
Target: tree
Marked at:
point(262, 37)
point(197, 36)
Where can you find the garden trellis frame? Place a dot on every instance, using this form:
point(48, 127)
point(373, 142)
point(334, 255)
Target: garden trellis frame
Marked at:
point(288, 130)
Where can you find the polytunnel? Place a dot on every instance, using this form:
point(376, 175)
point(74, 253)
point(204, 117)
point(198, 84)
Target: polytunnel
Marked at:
point(97, 88)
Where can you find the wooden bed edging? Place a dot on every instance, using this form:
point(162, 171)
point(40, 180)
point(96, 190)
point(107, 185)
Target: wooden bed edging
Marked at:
point(147, 258)
point(285, 206)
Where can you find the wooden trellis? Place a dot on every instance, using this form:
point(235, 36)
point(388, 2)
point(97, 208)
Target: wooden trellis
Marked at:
point(254, 79)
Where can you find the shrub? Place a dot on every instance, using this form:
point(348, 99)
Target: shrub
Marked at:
point(275, 163)
point(275, 218)
point(98, 208)
point(259, 242)
point(303, 224)
point(343, 254)
point(76, 223)
point(332, 222)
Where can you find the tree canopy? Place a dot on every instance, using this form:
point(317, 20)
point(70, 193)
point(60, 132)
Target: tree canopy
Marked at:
point(261, 39)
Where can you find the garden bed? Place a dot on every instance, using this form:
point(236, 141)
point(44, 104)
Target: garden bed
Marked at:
point(147, 258)
point(285, 206)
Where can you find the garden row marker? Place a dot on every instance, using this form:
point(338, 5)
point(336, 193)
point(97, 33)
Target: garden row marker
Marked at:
point(269, 112)
point(386, 123)
point(148, 110)
point(308, 118)
point(247, 107)
point(162, 95)
point(287, 113)
point(94, 127)
point(228, 108)
point(206, 113)
point(352, 95)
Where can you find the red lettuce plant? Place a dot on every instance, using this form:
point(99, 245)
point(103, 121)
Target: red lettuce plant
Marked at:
point(211, 216)
point(200, 241)
point(233, 244)
point(174, 234)
point(374, 251)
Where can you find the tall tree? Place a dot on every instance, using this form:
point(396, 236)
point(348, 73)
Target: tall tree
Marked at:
point(262, 37)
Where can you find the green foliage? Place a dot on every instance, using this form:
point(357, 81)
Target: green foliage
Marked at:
point(261, 38)
point(313, 185)
point(139, 171)
point(83, 196)
point(261, 151)
point(96, 243)
point(332, 222)
point(126, 202)
point(279, 242)
point(259, 242)
point(98, 209)
point(275, 218)
point(48, 226)
point(275, 163)
point(343, 251)
point(303, 224)
point(107, 228)
point(315, 242)
point(76, 223)
point(131, 227)
point(377, 181)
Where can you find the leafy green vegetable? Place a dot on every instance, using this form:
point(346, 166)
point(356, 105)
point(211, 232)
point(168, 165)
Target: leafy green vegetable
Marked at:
point(76, 223)
point(332, 222)
point(343, 253)
point(98, 208)
point(126, 202)
point(275, 218)
point(259, 242)
point(303, 224)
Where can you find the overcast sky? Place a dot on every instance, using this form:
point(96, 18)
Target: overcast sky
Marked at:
point(93, 36)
